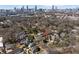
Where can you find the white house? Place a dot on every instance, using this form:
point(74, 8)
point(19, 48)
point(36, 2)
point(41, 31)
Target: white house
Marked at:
point(1, 43)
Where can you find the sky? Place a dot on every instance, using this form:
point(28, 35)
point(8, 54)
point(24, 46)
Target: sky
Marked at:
point(46, 4)
point(39, 2)
point(39, 6)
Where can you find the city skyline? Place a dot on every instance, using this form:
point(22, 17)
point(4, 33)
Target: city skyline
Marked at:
point(38, 6)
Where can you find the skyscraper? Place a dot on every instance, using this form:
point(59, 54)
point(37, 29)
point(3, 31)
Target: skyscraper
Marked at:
point(35, 7)
point(15, 8)
point(27, 7)
point(22, 9)
point(56, 8)
point(52, 7)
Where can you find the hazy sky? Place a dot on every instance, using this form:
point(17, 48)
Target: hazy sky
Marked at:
point(39, 6)
point(39, 2)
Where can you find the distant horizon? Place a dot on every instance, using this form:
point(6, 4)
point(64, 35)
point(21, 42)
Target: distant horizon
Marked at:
point(39, 6)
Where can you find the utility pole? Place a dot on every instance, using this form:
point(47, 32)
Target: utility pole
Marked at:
point(4, 48)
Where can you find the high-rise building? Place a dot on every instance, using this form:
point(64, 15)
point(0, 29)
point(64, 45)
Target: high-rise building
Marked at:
point(56, 8)
point(27, 7)
point(52, 7)
point(15, 8)
point(35, 7)
point(22, 9)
